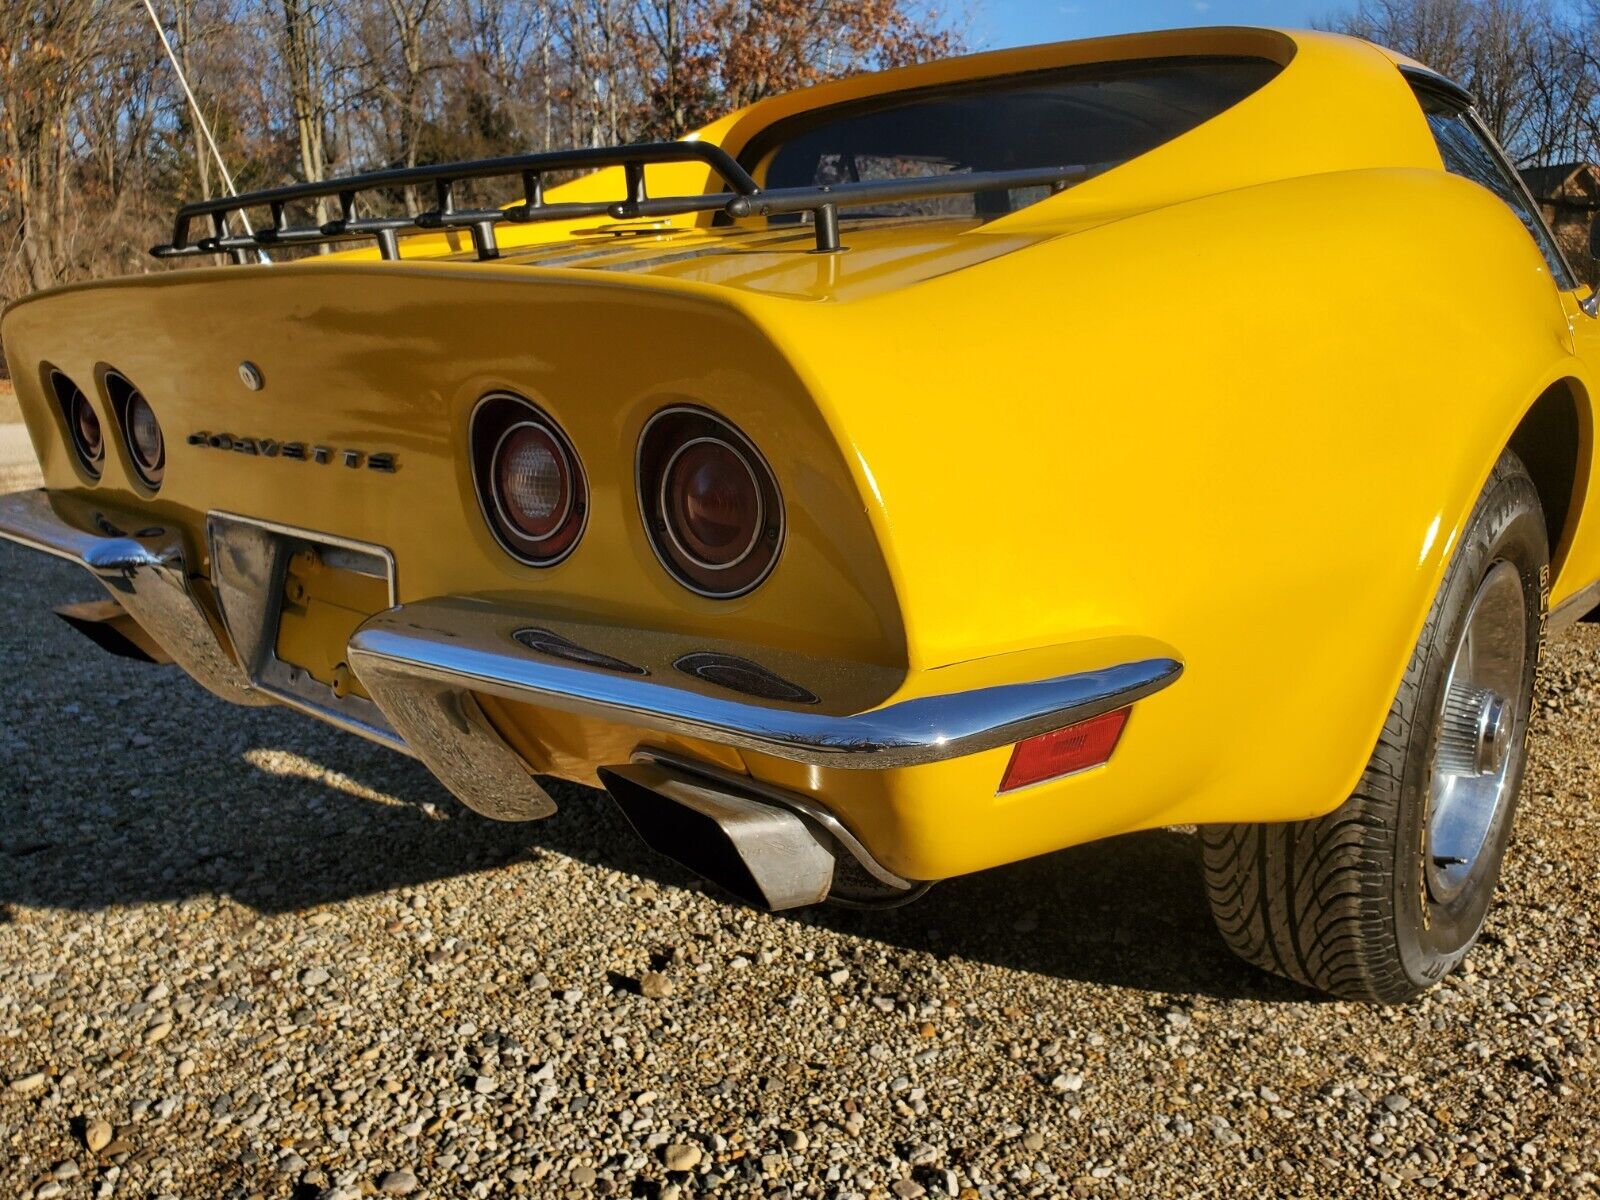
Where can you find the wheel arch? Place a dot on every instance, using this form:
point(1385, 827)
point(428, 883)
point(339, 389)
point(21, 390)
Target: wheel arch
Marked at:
point(1554, 440)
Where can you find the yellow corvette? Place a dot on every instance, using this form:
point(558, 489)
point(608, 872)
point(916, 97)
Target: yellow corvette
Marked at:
point(895, 479)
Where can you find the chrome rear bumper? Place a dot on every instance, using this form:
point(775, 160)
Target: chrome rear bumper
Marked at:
point(423, 663)
point(144, 571)
point(472, 645)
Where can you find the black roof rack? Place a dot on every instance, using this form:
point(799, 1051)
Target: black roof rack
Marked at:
point(747, 199)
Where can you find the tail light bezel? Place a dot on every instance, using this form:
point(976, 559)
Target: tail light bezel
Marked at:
point(494, 418)
point(665, 437)
point(120, 393)
point(91, 462)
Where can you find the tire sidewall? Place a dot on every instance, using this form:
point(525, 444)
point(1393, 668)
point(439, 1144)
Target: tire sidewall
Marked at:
point(1507, 525)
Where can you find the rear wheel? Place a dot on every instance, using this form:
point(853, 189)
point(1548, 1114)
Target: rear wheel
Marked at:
point(1382, 897)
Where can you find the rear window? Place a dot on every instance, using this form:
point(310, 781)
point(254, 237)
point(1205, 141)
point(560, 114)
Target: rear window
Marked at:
point(1096, 115)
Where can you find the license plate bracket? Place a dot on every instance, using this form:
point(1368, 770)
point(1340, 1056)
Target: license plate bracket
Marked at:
point(251, 561)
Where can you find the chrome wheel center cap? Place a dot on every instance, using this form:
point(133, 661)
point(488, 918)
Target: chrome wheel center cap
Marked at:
point(1494, 733)
point(1484, 691)
point(1474, 731)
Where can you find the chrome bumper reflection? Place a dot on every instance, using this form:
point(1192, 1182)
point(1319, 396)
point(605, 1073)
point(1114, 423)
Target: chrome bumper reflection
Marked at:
point(145, 572)
point(423, 662)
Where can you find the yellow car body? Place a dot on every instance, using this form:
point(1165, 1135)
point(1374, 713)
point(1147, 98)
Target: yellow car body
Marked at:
point(1225, 405)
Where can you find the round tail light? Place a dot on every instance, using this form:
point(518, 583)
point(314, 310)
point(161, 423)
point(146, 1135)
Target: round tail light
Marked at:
point(532, 480)
point(530, 485)
point(83, 425)
point(145, 440)
point(86, 430)
point(141, 431)
point(710, 502)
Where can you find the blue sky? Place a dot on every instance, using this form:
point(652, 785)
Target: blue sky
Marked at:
point(997, 23)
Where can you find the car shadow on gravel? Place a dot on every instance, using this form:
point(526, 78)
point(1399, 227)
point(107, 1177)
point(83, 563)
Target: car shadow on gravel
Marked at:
point(1127, 911)
point(127, 784)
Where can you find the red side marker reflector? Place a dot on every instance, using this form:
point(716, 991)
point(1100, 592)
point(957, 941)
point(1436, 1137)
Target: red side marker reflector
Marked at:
point(1063, 751)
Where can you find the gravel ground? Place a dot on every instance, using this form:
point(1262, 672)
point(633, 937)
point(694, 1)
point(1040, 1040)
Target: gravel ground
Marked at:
point(243, 955)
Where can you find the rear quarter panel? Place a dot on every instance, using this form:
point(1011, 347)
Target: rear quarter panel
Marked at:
point(1249, 426)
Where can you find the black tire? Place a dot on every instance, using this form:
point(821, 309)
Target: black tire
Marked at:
point(1353, 903)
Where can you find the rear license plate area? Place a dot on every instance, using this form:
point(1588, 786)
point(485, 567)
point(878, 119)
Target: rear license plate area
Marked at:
point(291, 598)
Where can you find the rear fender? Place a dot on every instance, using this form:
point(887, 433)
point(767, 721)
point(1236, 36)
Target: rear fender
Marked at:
point(1250, 426)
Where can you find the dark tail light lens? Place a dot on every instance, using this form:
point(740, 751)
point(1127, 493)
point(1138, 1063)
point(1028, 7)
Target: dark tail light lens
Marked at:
point(530, 484)
point(141, 430)
point(710, 502)
point(83, 424)
point(86, 430)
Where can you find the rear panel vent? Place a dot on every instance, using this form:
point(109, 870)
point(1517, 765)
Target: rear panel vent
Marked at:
point(553, 645)
point(741, 675)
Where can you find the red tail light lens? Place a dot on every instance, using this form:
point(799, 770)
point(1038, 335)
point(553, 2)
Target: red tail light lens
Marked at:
point(141, 431)
point(83, 424)
point(145, 440)
point(710, 502)
point(1064, 751)
point(86, 430)
point(530, 484)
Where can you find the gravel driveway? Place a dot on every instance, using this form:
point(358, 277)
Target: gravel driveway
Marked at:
point(243, 955)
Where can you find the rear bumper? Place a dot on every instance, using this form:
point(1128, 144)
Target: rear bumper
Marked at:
point(459, 682)
point(145, 572)
point(473, 646)
point(426, 665)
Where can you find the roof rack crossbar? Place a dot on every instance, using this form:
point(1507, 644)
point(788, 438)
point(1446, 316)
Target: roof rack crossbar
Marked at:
point(780, 201)
point(747, 199)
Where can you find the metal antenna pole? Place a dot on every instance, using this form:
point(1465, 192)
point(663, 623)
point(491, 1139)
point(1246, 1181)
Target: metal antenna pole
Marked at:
point(200, 119)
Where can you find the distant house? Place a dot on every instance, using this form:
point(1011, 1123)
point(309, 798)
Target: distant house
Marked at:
point(1569, 196)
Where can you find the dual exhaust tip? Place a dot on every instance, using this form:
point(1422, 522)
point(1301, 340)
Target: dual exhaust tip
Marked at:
point(766, 853)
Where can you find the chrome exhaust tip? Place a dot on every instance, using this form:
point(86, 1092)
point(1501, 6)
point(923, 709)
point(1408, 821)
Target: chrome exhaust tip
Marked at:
point(765, 855)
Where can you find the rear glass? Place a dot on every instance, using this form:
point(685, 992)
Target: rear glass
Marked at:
point(1097, 115)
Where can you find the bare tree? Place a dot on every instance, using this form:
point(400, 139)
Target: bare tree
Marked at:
point(1580, 38)
point(302, 65)
point(98, 143)
point(183, 41)
point(41, 63)
point(1515, 56)
point(410, 25)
